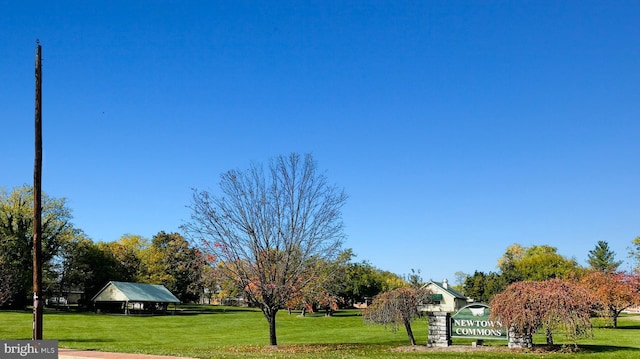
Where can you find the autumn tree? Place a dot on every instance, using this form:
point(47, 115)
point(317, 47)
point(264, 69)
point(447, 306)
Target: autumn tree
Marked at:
point(363, 281)
point(398, 307)
point(508, 264)
point(269, 228)
point(603, 259)
point(85, 265)
point(16, 239)
point(325, 288)
point(216, 285)
point(128, 255)
point(171, 261)
point(535, 263)
point(613, 291)
point(526, 307)
point(211, 282)
point(322, 291)
point(390, 280)
point(543, 262)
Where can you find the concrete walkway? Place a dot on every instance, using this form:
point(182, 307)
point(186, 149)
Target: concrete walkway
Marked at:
point(90, 354)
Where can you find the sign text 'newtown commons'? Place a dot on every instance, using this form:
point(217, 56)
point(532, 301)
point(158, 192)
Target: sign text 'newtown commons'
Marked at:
point(473, 321)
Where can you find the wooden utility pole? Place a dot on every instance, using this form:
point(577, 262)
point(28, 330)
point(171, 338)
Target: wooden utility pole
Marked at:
point(37, 205)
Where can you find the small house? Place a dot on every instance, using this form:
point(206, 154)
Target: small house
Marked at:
point(126, 297)
point(444, 298)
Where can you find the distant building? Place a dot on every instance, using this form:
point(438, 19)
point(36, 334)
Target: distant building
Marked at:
point(126, 297)
point(444, 298)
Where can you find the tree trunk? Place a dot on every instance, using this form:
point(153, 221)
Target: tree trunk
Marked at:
point(549, 336)
point(615, 318)
point(270, 314)
point(407, 326)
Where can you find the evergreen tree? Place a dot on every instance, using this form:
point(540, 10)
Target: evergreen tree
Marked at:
point(602, 258)
point(634, 252)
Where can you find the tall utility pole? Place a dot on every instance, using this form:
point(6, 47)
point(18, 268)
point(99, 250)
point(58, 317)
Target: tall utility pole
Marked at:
point(37, 205)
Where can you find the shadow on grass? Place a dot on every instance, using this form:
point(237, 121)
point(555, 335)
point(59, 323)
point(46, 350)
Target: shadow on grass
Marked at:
point(621, 327)
point(626, 327)
point(217, 310)
point(598, 348)
point(322, 313)
point(351, 313)
point(52, 312)
point(86, 340)
point(180, 311)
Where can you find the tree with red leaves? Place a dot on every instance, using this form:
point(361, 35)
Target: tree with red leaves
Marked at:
point(614, 292)
point(397, 307)
point(526, 307)
point(324, 290)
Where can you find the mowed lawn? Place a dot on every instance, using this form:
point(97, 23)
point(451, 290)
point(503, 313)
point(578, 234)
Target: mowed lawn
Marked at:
point(226, 332)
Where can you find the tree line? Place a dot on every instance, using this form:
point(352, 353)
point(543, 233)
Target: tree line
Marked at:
point(539, 263)
point(73, 262)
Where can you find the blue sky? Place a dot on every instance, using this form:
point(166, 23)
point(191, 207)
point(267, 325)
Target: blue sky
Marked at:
point(456, 127)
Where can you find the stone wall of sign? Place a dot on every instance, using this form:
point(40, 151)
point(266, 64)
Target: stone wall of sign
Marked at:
point(477, 326)
point(439, 329)
point(518, 340)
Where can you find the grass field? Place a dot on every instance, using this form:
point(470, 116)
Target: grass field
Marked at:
point(226, 332)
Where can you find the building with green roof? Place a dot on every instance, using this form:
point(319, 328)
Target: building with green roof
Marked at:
point(127, 297)
point(444, 298)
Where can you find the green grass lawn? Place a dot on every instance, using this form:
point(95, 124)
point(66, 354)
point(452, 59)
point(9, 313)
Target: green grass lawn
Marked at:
point(225, 332)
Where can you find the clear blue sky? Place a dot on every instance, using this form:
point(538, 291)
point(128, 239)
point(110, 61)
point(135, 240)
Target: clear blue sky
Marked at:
point(456, 127)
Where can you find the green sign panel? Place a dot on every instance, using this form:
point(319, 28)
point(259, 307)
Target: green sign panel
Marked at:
point(473, 322)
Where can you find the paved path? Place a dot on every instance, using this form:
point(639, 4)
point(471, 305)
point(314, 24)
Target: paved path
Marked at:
point(90, 354)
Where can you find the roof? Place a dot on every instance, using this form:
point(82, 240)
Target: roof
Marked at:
point(134, 292)
point(449, 290)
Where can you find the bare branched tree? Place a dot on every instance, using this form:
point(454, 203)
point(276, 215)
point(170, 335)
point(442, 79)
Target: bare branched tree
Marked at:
point(269, 230)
